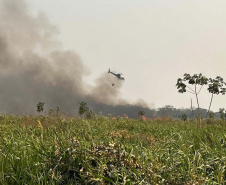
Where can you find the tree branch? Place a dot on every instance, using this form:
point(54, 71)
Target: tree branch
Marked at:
point(200, 89)
point(190, 92)
point(190, 89)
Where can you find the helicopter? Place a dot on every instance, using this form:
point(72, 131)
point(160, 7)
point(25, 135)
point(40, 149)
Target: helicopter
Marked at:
point(119, 76)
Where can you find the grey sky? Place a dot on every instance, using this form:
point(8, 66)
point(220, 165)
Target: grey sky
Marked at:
point(152, 42)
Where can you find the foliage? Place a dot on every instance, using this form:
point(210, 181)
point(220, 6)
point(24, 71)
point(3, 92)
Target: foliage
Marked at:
point(90, 114)
point(215, 86)
point(211, 114)
point(110, 151)
point(196, 79)
point(184, 117)
point(40, 107)
point(166, 111)
point(83, 108)
point(222, 113)
point(141, 113)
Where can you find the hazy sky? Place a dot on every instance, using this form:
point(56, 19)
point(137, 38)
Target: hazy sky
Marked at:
point(152, 42)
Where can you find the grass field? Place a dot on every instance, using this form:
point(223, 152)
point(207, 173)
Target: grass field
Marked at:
point(58, 150)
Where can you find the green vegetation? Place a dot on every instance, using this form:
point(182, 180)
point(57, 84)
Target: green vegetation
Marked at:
point(59, 150)
point(215, 86)
point(141, 113)
point(222, 113)
point(40, 107)
point(84, 109)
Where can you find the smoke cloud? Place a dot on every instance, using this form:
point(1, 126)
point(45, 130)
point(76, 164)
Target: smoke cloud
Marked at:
point(34, 69)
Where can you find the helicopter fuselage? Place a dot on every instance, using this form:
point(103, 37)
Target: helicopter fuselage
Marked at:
point(119, 76)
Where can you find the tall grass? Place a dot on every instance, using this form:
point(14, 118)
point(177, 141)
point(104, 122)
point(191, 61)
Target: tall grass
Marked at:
point(55, 150)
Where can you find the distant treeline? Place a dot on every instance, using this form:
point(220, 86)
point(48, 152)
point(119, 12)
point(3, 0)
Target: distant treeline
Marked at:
point(166, 111)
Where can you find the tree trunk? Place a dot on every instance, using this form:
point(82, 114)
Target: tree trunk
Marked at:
point(210, 105)
point(192, 109)
point(198, 105)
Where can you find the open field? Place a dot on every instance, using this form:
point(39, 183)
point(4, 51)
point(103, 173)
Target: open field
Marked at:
point(57, 150)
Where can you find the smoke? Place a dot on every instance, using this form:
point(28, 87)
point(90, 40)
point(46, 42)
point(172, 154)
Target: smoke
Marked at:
point(34, 69)
point(103, 91)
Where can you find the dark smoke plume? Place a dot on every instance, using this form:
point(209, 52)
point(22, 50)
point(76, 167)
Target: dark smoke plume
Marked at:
point(33, 69)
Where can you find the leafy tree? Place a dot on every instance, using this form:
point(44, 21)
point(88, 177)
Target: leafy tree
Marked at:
point(216, 86)
point(184, 117)
point(83, 108)
point(40, 107)
point(222, 113)
point(90, 114)
point(167, 111)
point(141, 113)
point(197, 80)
